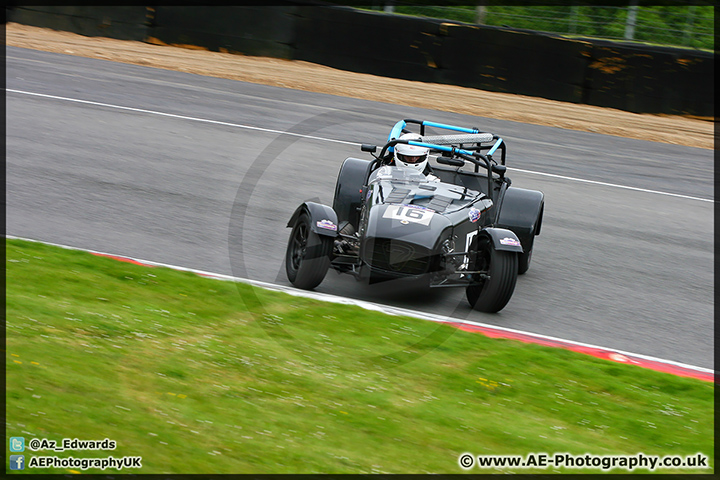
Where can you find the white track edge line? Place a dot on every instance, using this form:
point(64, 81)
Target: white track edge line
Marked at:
point(249, 127)
point(182, 117)
point(595, 182)
point(390, 310)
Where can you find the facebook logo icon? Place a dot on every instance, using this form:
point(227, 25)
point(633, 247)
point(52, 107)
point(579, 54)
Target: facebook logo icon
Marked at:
point(17, 462)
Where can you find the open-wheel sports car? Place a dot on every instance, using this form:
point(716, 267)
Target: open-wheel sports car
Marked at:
point(459, 223)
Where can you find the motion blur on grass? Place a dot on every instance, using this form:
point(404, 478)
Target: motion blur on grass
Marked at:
point(691, 25)
point(188, 373)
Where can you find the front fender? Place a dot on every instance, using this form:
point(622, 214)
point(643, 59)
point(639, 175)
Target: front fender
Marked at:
point(503, 239)
point(323, 219)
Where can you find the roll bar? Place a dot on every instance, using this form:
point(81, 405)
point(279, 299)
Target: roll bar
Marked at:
point(473, 135)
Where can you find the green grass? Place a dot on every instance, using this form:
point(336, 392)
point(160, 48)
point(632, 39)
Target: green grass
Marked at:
point(204, 376)
point(689, 27)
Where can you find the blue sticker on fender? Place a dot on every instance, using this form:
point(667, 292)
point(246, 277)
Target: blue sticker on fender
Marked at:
point(474, 214)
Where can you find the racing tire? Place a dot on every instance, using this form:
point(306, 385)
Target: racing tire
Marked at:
point(525, 257)
point(494, 293)
point(307, 257)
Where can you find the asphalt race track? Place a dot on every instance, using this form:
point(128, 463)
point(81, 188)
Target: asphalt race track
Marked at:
point(195, 171)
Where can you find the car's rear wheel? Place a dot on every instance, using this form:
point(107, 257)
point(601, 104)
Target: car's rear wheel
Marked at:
point(493, 293)
point(307, 257)
point(525, 257)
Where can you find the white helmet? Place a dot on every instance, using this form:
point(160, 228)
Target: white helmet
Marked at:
point(411, 155)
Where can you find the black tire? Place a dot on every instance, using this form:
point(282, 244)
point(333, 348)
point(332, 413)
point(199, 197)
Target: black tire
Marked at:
point(525, 257)
point(494, 293)
point(307, 257)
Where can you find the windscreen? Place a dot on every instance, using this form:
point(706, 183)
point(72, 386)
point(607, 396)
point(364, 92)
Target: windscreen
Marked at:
point(397, 175)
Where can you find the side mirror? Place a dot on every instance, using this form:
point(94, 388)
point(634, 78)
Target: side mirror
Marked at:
point(368, 148)
point(499, 169)
point(455, 162)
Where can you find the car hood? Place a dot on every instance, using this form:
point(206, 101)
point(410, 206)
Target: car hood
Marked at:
point(403, 205)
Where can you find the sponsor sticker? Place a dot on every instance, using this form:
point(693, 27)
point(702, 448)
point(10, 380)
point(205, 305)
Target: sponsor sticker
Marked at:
point(327, 224)
point(474, 214)
point(509, 241)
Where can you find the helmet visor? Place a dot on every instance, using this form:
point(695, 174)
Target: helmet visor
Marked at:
point(412, 159)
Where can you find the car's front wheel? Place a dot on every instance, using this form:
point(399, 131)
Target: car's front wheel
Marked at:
point(307, 257)
point(493, 293)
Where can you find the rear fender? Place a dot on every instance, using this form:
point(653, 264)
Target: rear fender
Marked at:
point(323, 219)
point(350, 189)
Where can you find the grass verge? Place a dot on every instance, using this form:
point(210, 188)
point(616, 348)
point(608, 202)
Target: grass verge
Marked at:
point(205, 376)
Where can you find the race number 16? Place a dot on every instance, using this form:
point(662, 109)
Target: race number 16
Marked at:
point(409, 214)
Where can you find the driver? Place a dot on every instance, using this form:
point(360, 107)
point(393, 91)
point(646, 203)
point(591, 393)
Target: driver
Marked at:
point(412, 156)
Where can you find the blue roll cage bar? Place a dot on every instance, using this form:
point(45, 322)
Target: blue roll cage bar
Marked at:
point(399, 128)
point(474, 156)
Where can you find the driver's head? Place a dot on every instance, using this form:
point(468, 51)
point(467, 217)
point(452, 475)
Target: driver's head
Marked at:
point(411, 155)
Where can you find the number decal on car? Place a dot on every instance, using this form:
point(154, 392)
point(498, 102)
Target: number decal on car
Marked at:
point(409, 213)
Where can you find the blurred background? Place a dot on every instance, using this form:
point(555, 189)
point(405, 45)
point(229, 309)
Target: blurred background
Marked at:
point(677, 25)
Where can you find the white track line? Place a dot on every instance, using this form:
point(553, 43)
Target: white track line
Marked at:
point(390, 310)
point(249, 127)
point(594, 182)
point(182, 117)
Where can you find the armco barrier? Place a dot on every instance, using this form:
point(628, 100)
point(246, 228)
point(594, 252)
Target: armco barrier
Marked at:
point(650, 79)
point(120, 22)
point(251, 30)
point(518, 62)
point(369, 42)
point(632, 77)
